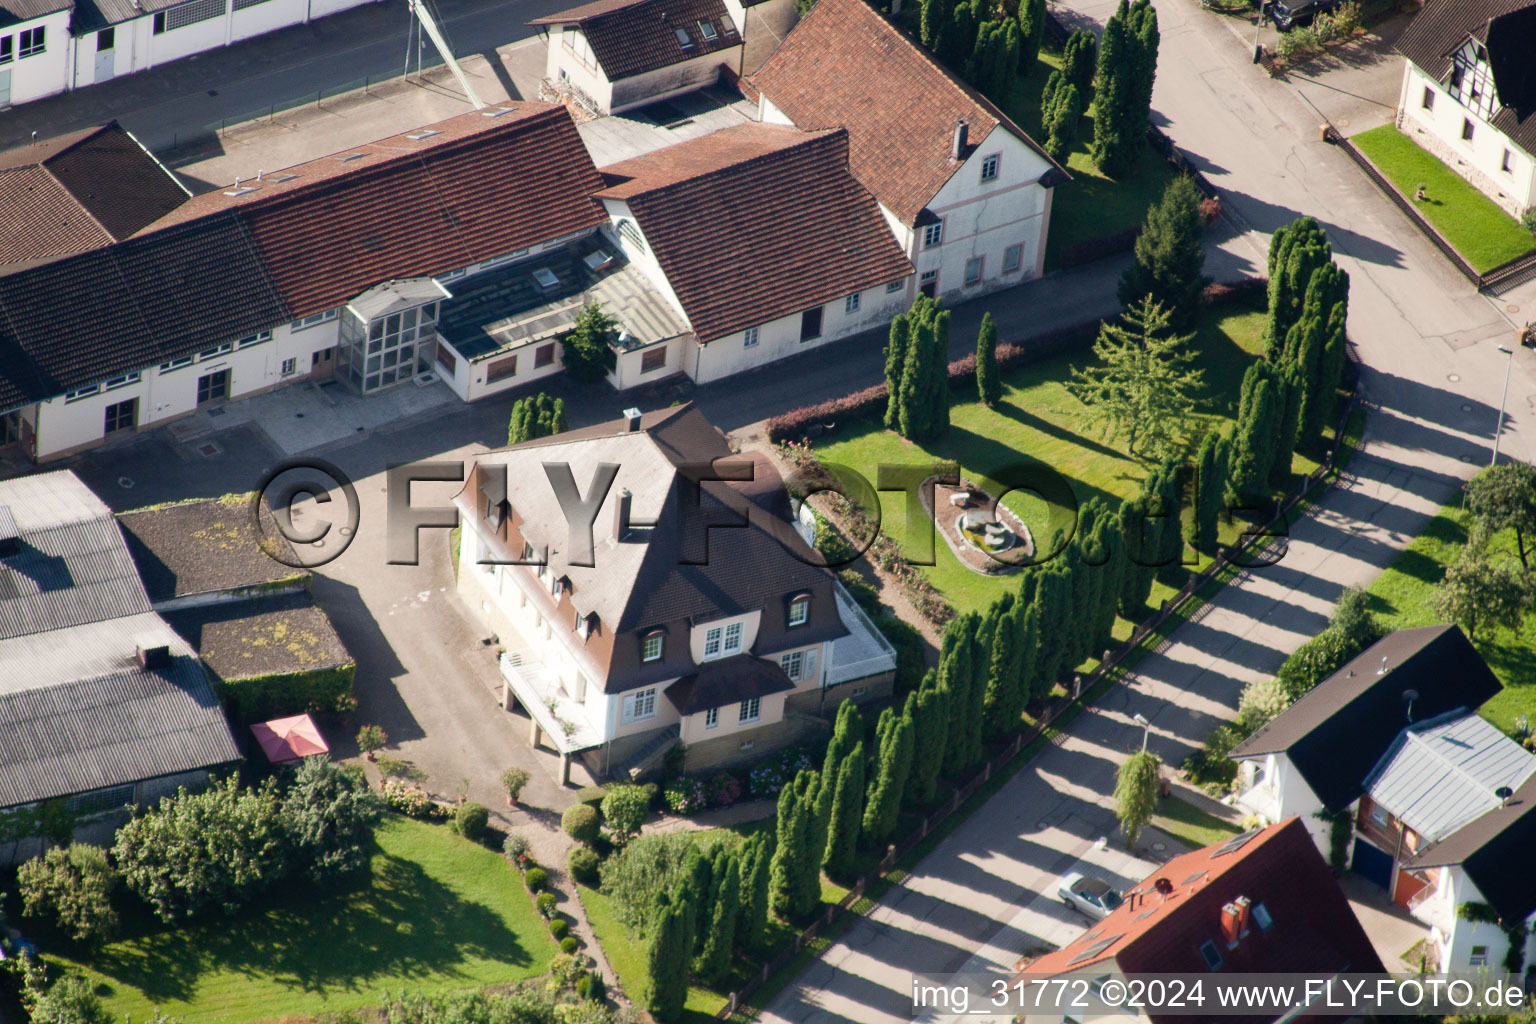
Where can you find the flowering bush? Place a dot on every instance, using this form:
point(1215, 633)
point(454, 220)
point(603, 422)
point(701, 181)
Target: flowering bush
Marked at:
point(410, 801)
point(768, 778)
point(724, 790)
point(1210, 209)
point(684, 795)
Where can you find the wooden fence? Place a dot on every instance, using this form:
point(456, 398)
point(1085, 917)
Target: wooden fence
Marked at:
point(1081, 689)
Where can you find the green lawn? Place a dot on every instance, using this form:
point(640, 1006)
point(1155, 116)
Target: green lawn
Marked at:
point(1404, 595)
point(1189, 824)
point(1039, 422)
point(1482, 232)
point(1090, 205)
point(439, 913)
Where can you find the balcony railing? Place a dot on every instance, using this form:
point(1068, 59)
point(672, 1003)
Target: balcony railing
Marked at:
point(537, 688)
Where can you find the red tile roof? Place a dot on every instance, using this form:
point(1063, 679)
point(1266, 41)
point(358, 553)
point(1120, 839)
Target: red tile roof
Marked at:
point(1313, 929)
point(757, 222)
point(479, 186)
point(845, 66)
point(79, 192)
point(631, 37)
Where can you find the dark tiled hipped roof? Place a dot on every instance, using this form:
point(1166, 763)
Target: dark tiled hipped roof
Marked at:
point(1312, 928)
point(845, 66)
point(757, 222)
point(80, 191)
point(631, 37)
point(1337, 732)
point(1508, 29)
point(727, 681)
point(477, 186)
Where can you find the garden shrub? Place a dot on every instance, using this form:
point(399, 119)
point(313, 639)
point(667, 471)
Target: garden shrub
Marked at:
point(592, 796)
point(569, 944)
point(685, 795)
point(410, 801)
point(1528, 219)
point(70, 1000)
point(583, 864)
point(829, 540)
point(545, 902)
point(558, 927)
point(261, 698)
point(371, 738)
point(724, 790)
point(515, 846)
point(910, 652)
point(862, 591)
point(74, 887)
point(581, 824)
point(584, 986)
point(535, 879)
point(598, 989)
point(625, 809)
point(639, 873)
point(471, 819)
point(768, 778)
point(329, 815)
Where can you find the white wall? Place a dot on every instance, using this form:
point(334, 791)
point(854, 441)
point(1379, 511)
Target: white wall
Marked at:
point(472, 375)
point(982, 219)
point(780, 338)
point(42, 74)
point(1456, 948)
point(569, 58)
point(265, 17)
point(770, 711)
point(627, 372)
point(641, 256)
point(166, 394)
point(1480, 161)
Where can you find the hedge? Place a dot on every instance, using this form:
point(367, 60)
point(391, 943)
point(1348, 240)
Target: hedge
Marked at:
point(870, 402)
point(260, 698)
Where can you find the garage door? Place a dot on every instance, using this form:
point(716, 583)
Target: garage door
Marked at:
point(1372, 864)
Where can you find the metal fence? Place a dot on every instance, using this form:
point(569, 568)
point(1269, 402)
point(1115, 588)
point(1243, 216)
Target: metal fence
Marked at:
point(1080, 696)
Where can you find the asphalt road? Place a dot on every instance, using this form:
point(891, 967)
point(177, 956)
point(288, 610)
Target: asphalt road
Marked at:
point(169, 105)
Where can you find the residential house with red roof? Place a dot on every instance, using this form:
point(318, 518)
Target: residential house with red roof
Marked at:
point(966, 191)
point(1469, 95)
point(692, 613)
point(1261, 902)
point(761, 238)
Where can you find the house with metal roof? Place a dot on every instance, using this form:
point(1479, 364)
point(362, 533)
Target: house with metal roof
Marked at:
point(102, 705)
point(691, 613)
point(1469, 96)
point(1392, 740)
point(1262, 902)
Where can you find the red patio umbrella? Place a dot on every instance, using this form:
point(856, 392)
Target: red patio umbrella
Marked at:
point(288, 739)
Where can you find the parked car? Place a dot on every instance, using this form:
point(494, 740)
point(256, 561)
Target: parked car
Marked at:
point(1286, 13)
point(1093, 896)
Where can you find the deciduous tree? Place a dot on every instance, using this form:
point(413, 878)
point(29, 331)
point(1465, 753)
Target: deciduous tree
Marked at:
point(1503, 497)
point(1136, 793)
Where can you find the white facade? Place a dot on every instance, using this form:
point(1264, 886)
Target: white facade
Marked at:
point(569, 60)
point(1451, 121)
point(1275, 790)
point(1463, 945)
point(158, 394)
point(34, 58)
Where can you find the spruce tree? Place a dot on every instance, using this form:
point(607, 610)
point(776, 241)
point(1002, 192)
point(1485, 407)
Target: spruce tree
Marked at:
point(1078, 58)
point(1113, 90)
point(989, 384)
point(667, 959)
point(1031, 33)
point(1135, 578)
point(929, 711)
point(1061, 120)
point(1210, 483)
point(847, 817)
point(895, 365)
point(714, 960)
point(1001, 702)
point(1169, 256)
point(883, 806)
point(956, 655)
point(752, 928)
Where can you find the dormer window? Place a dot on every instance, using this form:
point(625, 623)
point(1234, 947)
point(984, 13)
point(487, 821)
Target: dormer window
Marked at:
point(651, 646)
point(559, 586)
point(585, 623)
point(799, 609)
point(732, 637)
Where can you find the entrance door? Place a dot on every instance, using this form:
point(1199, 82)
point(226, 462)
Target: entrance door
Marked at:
point(5, 88)
point(213, 387)
point(106, 56)
point(1372, 864)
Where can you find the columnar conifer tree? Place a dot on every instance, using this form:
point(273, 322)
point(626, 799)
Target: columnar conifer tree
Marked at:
point(714, 960)
point(929, 710)
point(989, 384)
point(847, 816)
point(893, 768)
point(668, 955)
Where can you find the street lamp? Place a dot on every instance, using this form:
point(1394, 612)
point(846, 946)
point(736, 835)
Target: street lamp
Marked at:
point(1498, 427)
point(1258, 26)
point(1146, 727)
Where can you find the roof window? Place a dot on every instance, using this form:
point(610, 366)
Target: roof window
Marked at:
point(497, 111)
point(682, 38)
point(239, 189)
point(1211, 955)
point(282, 177)
point(348, 158)
point(425, 133)
point(707, 29)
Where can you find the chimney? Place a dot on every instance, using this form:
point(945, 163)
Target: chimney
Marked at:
point(1234, 920)
point(621, 516)
point(151, 652)
point(631, 420)
point(957, 150)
